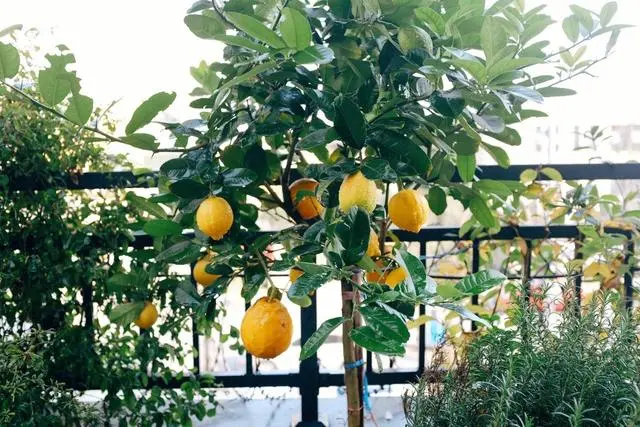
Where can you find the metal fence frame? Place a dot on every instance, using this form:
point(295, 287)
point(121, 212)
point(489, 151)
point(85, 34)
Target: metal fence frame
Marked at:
point(309, 379)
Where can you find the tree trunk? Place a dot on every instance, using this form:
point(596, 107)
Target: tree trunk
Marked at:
point(352, 354)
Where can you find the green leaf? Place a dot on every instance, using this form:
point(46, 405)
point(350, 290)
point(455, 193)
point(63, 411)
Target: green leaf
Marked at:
point(240, 41)
point(148, 110)
point(494, 187)
point(481, 212)
point(466, 167)
point(314, 55)
point(79, 109)
point(413, 37)
point(255, 29)
point(510, 64)
point(189, 189)
point(475, 68)
point(607, 12)
point(552, 91)
point(9, 61)
point(368, 339)
point(311, 346)
point(145, 205)
point(448, 291)
point(162, 227)
point(499, 155)
point(524, 93)
point(378, 169)
point(386, 323)
point(304, 301)
point(238, 177)
point(318, 138)
point(248, 75)
point(349, 122)
point(492, 37)
point(463, 312)
point(54, 86)
point(432, 19)
point(186, 294)
point(509, 136)
point(125, 314)
point(307, 283)
point(584, 16)
point(143, 141)
point(353, 233)
point(417, 281)
point(437, 200)
point(571, 27)
point(528, 175)
point(254, 276)
point(295, 29)
point(479, 282)
point(204, 26)
point(183, 252)
point(552, 173)
point(448, 104)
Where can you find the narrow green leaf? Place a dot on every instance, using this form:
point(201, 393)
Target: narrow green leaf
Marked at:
point(148, 110)
point(552, 91)
point(295, 29)
point(349, 122)
point(253, 278)
point(240, 41)
point(311, 346)
point(386, 323)
point(492, 187)
point(307, 283)
point(145, 205)
point(246, 76)
point(417, 280)
point(479, 282)
point(353, 233)
point(607, 12)
point(499, 155)
point(463, 312)
point(571, 27)
point(9, 61)
point(466, 167)
point(493, 37)
point(255, 29)
point(481, 212)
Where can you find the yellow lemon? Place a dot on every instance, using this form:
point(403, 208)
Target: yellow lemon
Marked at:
point(395, 277)
point(214, 217)
point(373, 249)
point(308, 207)
point(200, 274)
point(408, 210)
point(147, 316)
point(357, 190)
point(266, 328)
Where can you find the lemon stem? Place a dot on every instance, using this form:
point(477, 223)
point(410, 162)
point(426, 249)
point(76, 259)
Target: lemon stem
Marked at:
point(400, 185)
point(266, 271)
point(274, 292)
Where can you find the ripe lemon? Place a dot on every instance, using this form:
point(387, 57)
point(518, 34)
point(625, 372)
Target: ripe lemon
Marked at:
point(408, 210)
point(388, 276)
point(373, 250)
point(357, 190)
point(200, 274)
point(147, 316)
point(294, 273)
point(395, 277)
point(266, 328)
point(214, 217)
point(308, 207)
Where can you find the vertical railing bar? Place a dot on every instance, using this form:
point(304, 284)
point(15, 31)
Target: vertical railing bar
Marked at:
point(309, 383)
point(628, 277)
point(475, 267)
point(421, 311)
point(194, 330)
point(578, 281)
point(248, 357)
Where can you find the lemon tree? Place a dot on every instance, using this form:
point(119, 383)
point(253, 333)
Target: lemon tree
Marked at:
point(350, 119)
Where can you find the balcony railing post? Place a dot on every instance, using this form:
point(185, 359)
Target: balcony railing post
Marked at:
point(310, 380)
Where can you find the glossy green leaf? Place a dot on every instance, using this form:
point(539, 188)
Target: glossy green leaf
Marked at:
point(148, 110)
point(353, 234)
point(499, 155)
point(368, 339)
point(449, 291)
point(314, 55)
point(295, 29)
point(417, 281)
point(492, 36)
point(307, 283)
point(466, 314)
point(552, 173)
point(145, 205)
point(9, 61)
point(432, 19)
point(466, 167)
point(186, 294)
point(437, 200)
point(378, 169)
point(479, 282)
point(204, 26)
point(349, 122)
point(311, 346)
point(189, 189)
point(183, 252)
point(255, 29)
point(254, 71)
point(481, 212)
point(253, 278)
point(238, 177)
point(240, 41)
point(54, 86)
point(162, 227)
point(385, 322)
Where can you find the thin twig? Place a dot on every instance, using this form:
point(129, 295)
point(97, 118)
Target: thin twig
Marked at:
point(583, 71)
point(275, 23)
point(398, 104)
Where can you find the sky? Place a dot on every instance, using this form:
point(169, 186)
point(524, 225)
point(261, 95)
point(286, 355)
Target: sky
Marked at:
point(131, 49)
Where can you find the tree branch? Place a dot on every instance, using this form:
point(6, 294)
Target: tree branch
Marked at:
point(286, 175)
point(275, 23)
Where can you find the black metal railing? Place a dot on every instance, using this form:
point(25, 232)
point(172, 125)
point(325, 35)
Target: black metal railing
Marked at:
point(309, 379)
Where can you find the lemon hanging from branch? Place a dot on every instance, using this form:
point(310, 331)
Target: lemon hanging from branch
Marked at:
point(214, 217)
point(200, 274)
point(408, 210)
point(308, 207)
point(147, 316)
point(267, 328)
point(356, 190)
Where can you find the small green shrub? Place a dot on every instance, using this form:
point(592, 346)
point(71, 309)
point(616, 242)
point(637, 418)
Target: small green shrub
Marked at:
point(575, 368)
point(28, 395)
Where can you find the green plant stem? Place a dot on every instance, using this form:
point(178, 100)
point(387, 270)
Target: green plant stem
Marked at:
point(397, 105)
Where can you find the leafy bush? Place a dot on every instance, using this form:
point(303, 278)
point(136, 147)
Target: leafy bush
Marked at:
point(578, 367)
point(28, 396)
